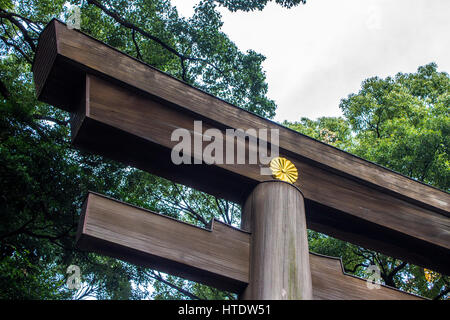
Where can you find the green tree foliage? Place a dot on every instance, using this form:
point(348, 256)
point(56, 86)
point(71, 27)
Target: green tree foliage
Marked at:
point(402, 123)
point(45, 179)
point(250, 5)
point(334, 131)
point(193, 49)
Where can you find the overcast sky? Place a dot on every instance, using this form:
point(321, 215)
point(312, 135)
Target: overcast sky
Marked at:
point(320, 52)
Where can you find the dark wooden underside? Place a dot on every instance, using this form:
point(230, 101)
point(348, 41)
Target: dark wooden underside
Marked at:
point(128, 110)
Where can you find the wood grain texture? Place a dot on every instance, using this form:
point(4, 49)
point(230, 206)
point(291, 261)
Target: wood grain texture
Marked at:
point(279, 255)
point(133, 128)
point(79, 51)
point(218, 256)
point(44, 59)
point(331, 283)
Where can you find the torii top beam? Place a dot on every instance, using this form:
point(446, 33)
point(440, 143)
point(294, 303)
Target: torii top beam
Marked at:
point(125, 109)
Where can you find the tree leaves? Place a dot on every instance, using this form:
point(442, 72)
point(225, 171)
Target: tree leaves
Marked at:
point(250, 5)
point(402, 123)
point(46, 180)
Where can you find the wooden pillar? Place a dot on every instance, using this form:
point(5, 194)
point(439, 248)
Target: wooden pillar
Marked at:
point(279, 257)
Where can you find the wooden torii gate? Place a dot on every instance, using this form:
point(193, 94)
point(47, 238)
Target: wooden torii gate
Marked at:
point(126, 110)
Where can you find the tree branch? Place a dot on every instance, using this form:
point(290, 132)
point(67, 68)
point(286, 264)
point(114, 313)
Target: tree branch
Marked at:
point(189, 211)
point(15, 46)
point(356, 267)
point(138, 51)
point(155, 276)
point(223, 212)
point(146, 34)
point(442, 293)
point(4, 90)
point(183, 68)
point(398, 268)
point(132, 26)
point(199, 217)
point(11, 17)
point(51, 119)
point(48, 237)
point(17, 231)
point(27, 20)
point(85, 291)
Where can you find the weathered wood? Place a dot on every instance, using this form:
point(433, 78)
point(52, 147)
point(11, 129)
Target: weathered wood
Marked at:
point(345, 196)
point(115, 122)
point(217, 257)
point(330, 282)
point(279, 256)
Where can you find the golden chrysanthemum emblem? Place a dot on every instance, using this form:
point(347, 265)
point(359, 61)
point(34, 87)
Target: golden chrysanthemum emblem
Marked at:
point(283, 169)
point(431, 276)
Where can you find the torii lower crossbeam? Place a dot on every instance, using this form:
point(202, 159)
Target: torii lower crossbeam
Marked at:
point(217, 256)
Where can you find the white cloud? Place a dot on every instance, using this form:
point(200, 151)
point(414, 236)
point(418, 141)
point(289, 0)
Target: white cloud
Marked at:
point(320, 52)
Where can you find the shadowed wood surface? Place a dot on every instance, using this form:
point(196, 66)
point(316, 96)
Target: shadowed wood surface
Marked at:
point(331, 283)
point(219, 256)
point(130, 117)
point(279, 256)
